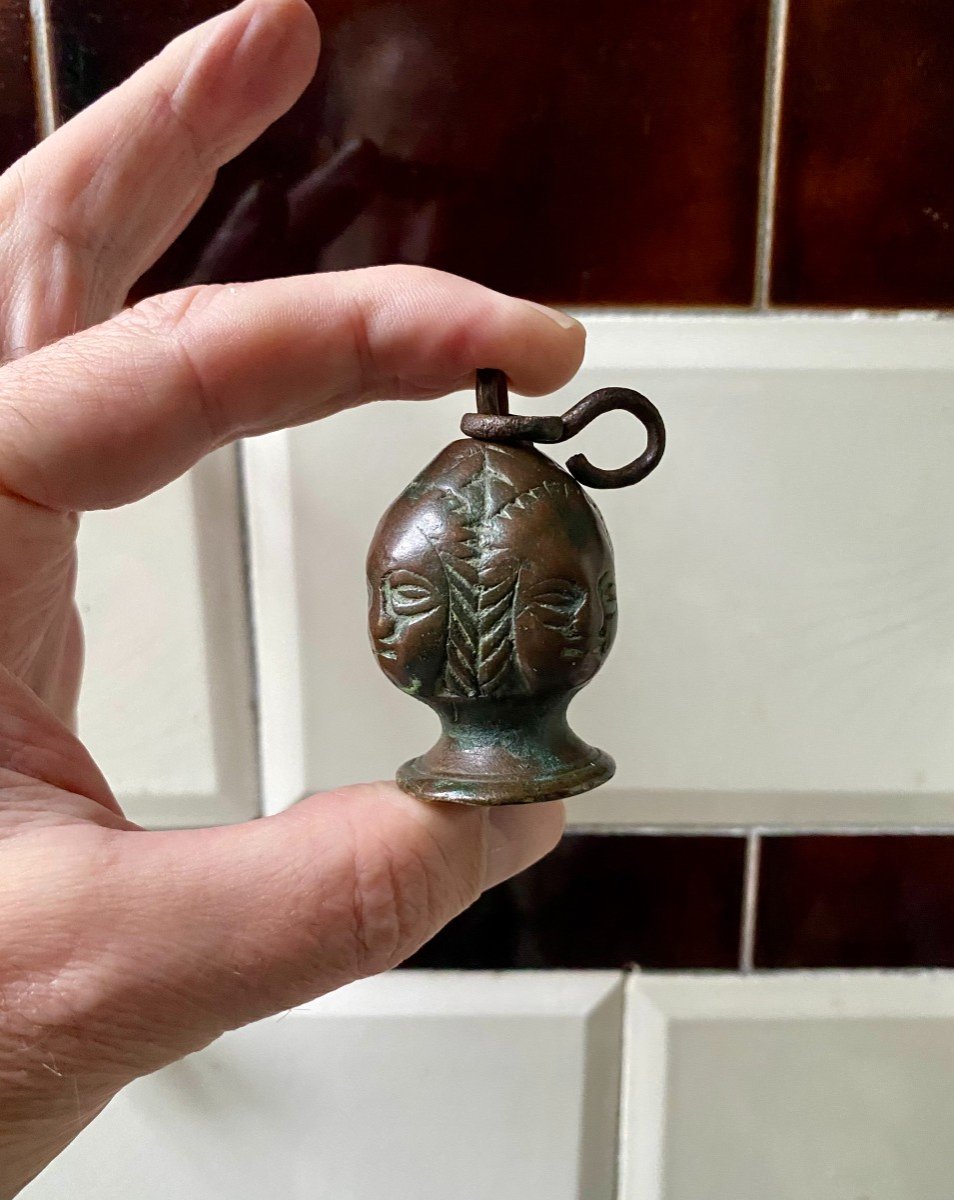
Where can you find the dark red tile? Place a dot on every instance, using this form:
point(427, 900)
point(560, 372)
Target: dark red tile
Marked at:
point(866, 174)
point(593, 151)
point(17, 109)
point(865, 901)
point(606, 901)
point(97, 43)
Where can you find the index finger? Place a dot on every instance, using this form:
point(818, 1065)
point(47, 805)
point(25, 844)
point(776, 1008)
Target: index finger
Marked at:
point(106, 416)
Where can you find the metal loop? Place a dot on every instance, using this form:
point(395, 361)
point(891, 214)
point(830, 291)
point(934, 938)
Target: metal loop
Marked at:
point(494, 422)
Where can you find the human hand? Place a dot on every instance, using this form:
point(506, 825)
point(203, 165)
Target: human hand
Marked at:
point(122, 950)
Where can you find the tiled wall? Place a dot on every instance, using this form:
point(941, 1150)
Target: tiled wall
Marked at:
point(702, 153)
point(865, 212)
point(683, 902)
point(745, 153)
point(18, 129)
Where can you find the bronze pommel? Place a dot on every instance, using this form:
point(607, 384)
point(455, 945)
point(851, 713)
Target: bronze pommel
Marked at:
point(493, 600)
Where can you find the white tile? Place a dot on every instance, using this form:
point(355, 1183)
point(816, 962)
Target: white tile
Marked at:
point(786, 648)
point(804, 1086)
point(166, 707)
point(800, 340)
point(415, 1086)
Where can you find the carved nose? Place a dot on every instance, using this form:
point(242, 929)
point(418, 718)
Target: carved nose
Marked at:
point(580, 624)
point(380, 623)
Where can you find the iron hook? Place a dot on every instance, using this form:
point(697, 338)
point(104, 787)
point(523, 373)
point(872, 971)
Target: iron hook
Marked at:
point(494, 422)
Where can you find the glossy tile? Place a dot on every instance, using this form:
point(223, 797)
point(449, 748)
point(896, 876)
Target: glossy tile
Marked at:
point(17, 111)
point(784, 606)
point(821, 1085)
point(602, 152)
point(98, 43)
point(409, 1086)
point(866, 177)
point(606, 901)
point(861, 901)
point(167, 702)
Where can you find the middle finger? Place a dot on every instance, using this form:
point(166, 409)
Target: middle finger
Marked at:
point(94, 205)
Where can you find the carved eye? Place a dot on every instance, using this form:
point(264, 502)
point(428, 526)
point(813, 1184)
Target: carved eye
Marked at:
point(608, 594)
point(556, 602)
point(409, 594)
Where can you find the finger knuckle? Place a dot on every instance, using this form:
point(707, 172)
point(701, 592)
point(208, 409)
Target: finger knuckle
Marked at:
point(176, 318)
point(171, 313)
point(399, 900)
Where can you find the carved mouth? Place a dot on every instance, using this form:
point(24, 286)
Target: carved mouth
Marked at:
point(382, 644)
point(572, 652)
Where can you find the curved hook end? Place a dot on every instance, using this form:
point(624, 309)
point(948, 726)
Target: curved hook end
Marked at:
point(608, 400)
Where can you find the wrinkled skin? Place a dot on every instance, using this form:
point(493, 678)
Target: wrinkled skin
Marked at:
point(121, 950)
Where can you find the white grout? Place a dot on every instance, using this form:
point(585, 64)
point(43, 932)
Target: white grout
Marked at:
point(610, 314)
point(789, 829)
point(750, 900)
point(768, 172)
point(44, 85)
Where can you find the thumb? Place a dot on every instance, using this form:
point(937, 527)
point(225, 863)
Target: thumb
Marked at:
point(125, 950)
point(213, 928)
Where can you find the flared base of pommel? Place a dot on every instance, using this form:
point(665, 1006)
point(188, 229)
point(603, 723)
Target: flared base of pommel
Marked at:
point(415, 778)
point(505, 753)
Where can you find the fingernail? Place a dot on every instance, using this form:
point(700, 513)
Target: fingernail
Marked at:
point(564, 320)
point(518, 835)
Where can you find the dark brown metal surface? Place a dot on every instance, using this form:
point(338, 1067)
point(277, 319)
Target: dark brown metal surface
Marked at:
point(493, 600)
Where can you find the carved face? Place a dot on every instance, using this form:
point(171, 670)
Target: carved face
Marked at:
point(491, 575)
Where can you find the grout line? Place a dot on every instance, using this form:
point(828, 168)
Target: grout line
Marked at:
point(44, 84)
point(698, 829)
point(940, 830)
point(750, 899)
point(624, 1092)
point(778, 314)
point(251, 618)
point(768, 172)
point(684, 829)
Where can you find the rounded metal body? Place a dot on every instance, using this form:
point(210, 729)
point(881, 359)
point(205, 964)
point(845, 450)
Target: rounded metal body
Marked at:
point(493, 601)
